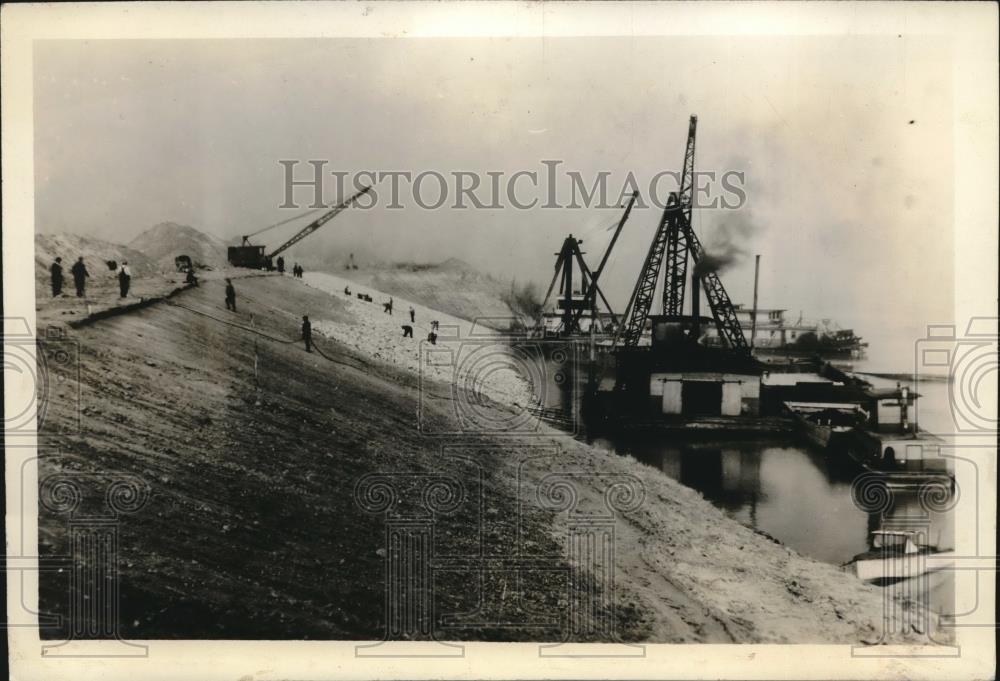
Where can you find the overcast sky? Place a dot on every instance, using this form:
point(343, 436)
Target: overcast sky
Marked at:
point(845, 142)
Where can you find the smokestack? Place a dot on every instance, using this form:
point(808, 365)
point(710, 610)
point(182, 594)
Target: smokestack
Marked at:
point(753, 318)
point(696, 304)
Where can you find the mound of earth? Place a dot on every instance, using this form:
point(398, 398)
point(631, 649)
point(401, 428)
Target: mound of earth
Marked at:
point(167, 240)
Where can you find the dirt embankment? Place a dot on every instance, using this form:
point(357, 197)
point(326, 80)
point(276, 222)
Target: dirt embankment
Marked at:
point(252, 449)
point(702, 575)
point(452, 287)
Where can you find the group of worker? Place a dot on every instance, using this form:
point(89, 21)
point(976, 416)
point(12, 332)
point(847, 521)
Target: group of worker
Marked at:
point(296, 268)
point(80, 276)
point(407, 328)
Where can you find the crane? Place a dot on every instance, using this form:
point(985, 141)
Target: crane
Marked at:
point(573, 310)
point(250, 255)
point(678, 242)
point(590, 298)
point(673, 241)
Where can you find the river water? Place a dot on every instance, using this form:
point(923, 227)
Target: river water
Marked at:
point(798, 495)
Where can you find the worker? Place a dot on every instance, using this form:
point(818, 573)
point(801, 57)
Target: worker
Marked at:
point(407, 331)
point(80, 275)
point(281, 264)
point(432, 337)
point(124, 279)
point(413, 314)
point(387, 307)
point(57, 277)
point(190, 278)
point(434, 325)
point(307, 331)
point(230, 296)
point(347, 290)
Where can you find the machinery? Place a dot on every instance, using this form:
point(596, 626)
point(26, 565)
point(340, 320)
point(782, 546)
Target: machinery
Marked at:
point(182, 263)
point(254, 256)
point(673, 242)
point(573, 306)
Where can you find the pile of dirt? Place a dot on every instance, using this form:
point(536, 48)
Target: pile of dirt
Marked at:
point(96, 255)
point(167, 240)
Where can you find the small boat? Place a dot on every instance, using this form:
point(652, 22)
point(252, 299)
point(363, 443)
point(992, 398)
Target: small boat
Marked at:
point(826, 424)
point(889, 442)
point(897, 555)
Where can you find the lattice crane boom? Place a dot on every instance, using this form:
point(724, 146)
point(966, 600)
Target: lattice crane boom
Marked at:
point(318, 222)
point(637, 311)
point(677, 246)
point(718, 299)
point(593, 289)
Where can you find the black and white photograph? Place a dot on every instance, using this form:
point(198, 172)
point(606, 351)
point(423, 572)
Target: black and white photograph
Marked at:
point(365, 340)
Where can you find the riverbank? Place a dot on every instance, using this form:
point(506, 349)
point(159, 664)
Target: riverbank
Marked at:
point(252, 448)
point(701, 572)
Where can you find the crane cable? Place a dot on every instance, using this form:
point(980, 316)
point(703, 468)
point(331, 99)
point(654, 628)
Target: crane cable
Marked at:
point(285, 221)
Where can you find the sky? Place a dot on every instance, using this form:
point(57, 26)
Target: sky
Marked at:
point(844, 141)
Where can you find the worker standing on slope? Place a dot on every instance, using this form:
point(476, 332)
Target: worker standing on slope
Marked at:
point(80, 275)
point(230, 296)
point(124, 279)
point(413, 314)
point(57, 277)
point(387, 307)
point(307, 332)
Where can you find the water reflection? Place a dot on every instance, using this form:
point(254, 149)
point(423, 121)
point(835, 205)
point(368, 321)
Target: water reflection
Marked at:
point(797, 494)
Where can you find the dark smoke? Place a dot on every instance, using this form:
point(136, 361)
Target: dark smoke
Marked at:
point(715, 262)
point(725, 246)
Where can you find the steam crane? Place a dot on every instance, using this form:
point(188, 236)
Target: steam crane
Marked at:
point(574, 308)
point(674, 241)
point(250, 255)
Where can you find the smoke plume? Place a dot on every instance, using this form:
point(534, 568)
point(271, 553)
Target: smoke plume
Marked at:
point(726, 243)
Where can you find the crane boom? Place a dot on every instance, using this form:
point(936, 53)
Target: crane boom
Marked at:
point(246, 237)
point(317, 223)
point(639, 304)
point(673, 241)
point(677, 243)
point(718, 299)
point(593, 289)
